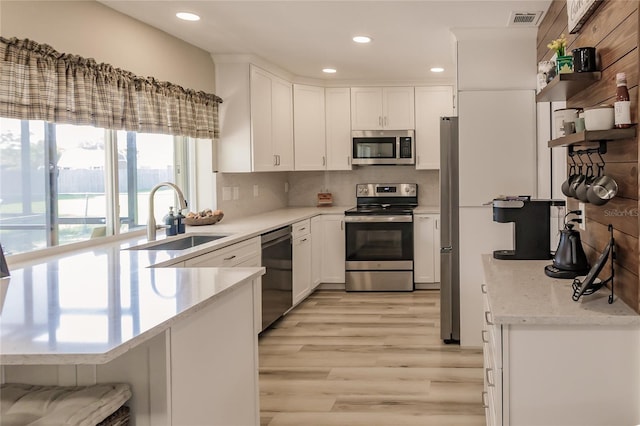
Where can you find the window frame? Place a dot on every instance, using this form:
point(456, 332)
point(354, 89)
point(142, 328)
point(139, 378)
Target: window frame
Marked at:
point(183, 177)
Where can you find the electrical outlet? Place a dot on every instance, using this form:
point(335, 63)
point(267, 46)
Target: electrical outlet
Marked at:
point(226, 193)
point(582, 225)
point(286, 187)
point(256, 190)
point(236, 192)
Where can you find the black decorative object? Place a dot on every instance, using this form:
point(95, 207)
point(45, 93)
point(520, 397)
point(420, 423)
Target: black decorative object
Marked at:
point(591, 284)
point(4, 268)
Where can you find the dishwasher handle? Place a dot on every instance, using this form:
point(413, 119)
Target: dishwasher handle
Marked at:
point(275, 237)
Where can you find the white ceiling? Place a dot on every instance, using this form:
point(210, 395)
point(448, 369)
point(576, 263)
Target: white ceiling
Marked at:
point(302, 37)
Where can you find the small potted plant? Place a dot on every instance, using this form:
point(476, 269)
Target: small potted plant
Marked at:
point(564, 63)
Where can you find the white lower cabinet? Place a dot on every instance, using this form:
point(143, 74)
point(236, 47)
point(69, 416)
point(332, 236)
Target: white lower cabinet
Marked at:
point(317, 242)
point(560, 374)
point(243, 254)
point(333, 249)
point(301, 268)
point(426, 248)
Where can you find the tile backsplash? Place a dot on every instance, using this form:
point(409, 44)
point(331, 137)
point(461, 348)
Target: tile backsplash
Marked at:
point(246, 194)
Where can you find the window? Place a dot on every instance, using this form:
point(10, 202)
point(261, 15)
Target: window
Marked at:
point(58, 182)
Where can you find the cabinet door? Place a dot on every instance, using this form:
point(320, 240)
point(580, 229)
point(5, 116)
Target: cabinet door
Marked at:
point(431, 104)
point(282, 122)
point(261, 123)
point(366, 108)
point(309, 127)
point(338, 128)
point(333, 255)
point(317, 243)
point(436, 248)
point(398, 108)
point(301, 268)
point(424, 249)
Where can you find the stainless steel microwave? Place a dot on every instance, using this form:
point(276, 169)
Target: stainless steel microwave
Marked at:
point(383, 147)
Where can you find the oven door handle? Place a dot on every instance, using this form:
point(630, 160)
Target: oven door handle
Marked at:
point(378, 219)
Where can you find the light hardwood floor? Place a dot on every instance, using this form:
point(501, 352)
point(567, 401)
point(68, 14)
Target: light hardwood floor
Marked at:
point(369, 359)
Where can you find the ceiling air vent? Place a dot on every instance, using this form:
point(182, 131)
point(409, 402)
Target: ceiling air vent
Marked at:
point(524, 19)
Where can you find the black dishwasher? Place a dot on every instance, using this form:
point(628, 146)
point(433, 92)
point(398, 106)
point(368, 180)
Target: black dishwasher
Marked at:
point(277, 283)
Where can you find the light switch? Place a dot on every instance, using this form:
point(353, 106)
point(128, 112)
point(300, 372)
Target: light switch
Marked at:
point(256, 190)
point(236, 192)
point(226, 193)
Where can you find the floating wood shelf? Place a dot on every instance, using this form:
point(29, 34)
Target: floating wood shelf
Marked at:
point(564, 86)
point(593, 136)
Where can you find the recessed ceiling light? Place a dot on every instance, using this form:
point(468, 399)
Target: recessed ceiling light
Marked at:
point(187, 16)
point(437, 69)
point(362, 39)
point(329, 70)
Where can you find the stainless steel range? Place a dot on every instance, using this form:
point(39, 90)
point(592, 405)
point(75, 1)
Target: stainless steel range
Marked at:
point(379, 238)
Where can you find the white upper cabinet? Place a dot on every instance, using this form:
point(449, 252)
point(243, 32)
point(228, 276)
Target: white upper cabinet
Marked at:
point(256, 119)
point(377, 108)
point(271, 122)
point(431, 104)
point(309, 127)
point(338, 128)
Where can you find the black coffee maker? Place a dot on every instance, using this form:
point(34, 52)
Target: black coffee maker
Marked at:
point(569, 261)
point(532, 233)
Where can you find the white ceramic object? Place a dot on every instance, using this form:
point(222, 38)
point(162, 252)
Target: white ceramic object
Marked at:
point(561, 116)
point(599, 118)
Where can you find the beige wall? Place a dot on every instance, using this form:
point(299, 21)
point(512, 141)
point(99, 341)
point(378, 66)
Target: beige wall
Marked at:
point(90, 29)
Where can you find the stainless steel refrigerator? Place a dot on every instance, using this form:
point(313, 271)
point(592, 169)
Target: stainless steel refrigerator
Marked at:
point(449, 232)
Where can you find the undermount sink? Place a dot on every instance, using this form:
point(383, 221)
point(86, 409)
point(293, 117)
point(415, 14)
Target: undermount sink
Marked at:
point(180, 243)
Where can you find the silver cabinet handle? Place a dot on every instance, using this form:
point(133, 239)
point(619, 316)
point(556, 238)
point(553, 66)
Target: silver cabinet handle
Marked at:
point(386, 121)
point(437, 224)
point(275, 160)
point(484, 399)
point(489, 382)
point(278, 159)
point(486, 317)
point(483, 334)
point(229, 258)
point(380, 120)
point(483, 288)
point(303, 240)
point(324, 160)
point(342, 225)
point(302, 229)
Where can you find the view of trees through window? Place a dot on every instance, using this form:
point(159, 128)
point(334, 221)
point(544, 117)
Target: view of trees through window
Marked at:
point(55, 182)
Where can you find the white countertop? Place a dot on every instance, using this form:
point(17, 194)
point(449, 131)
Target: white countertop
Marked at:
point(88, 306)
point(519, 292)
point(427, 210)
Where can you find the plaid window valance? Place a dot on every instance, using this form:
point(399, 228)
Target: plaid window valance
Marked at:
point(39, 83)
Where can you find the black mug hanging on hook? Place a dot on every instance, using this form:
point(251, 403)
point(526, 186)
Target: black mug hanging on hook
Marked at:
point(573, 173)
point(583, 187)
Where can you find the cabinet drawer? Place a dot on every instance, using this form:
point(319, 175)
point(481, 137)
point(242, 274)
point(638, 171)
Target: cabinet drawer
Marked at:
point(230, 256)
point(301, 228)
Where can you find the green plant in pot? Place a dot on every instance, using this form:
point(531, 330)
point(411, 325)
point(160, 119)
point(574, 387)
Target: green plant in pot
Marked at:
point(564, 63)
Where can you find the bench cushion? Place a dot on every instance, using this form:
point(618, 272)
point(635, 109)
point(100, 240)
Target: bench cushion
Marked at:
point(34, 405)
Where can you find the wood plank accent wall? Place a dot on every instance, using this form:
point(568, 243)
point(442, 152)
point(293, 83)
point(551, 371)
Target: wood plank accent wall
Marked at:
point(614, 31)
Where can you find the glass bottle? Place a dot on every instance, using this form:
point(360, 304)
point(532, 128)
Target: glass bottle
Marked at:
point(170, 223)
point(622, 104)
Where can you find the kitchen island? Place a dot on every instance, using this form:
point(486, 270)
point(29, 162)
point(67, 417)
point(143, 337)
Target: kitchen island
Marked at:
point(552, 361)
point(184, 339)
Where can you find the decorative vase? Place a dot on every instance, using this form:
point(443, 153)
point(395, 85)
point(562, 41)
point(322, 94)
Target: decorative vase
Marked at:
point(564, 64)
